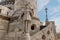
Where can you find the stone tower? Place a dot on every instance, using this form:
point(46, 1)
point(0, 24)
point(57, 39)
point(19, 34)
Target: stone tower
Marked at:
point(27, 10)
point(21, 22)
point(46, 22)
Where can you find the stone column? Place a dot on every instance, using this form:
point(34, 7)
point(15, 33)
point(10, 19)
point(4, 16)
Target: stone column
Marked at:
point(22, 5)
point(3, 28)
point(26, 36)
point(26, 31)
point(27, 20)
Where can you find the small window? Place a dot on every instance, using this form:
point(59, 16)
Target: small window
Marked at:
point(48, 32)
point(43, 37)
point(33, 27)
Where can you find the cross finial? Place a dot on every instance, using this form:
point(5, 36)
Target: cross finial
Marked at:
point(46, 13)
point(46, 16)
point(46, 10)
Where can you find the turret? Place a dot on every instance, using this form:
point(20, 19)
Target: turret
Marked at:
point(4, 21)
point(46, 22)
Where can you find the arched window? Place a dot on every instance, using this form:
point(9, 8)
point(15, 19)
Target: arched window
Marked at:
point(48, 32)
point(43, 37)
point(33, 27)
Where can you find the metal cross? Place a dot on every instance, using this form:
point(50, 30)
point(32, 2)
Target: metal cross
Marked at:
point(46, 13)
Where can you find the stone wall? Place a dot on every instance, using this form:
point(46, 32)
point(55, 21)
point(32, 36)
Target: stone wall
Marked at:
point(58, 36)
point(3, 28)
point(45, 34)
point(3, 21)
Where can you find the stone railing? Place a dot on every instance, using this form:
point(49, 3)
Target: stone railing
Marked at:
point(38, 35)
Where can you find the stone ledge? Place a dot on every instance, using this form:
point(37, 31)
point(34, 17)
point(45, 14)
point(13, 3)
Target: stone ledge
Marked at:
point(4, 17)
point(35, 18)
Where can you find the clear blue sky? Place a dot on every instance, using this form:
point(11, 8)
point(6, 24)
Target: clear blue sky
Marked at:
point(53, 11)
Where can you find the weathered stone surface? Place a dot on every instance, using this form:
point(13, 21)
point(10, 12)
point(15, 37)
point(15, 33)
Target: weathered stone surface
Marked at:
point(3, 28)
point(24, 23)
point(38, 36)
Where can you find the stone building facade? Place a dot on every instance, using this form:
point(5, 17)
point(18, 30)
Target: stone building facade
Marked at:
point(19, 21)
